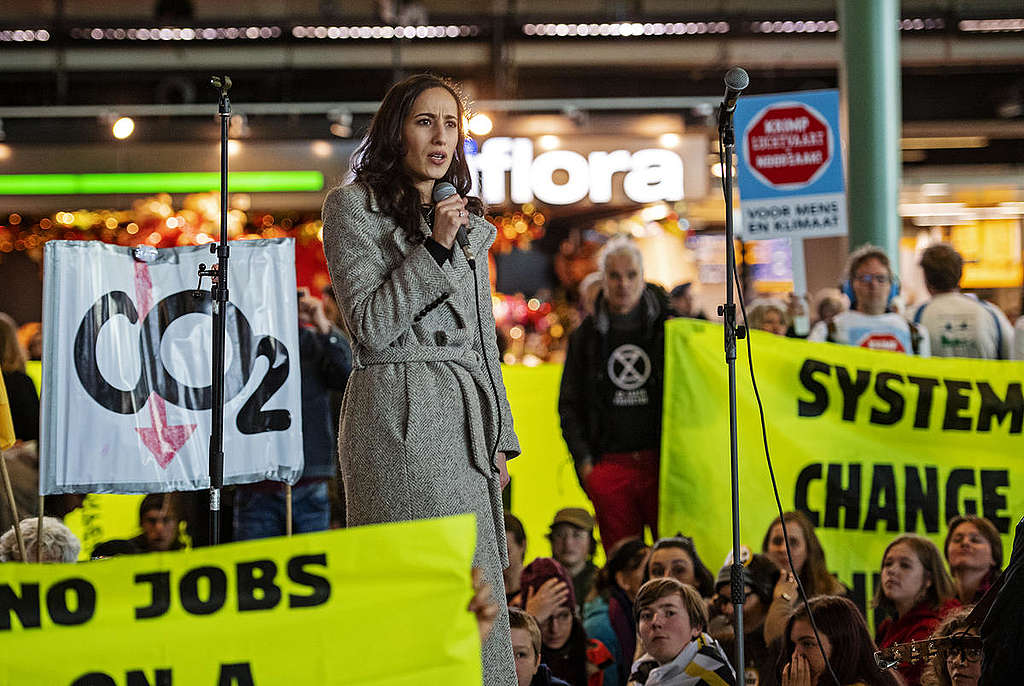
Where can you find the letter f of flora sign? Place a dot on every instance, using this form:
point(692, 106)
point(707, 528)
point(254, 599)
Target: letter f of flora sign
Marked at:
point(790, 172)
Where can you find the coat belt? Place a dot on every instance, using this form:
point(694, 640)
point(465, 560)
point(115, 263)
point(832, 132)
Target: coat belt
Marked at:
point(421, 353)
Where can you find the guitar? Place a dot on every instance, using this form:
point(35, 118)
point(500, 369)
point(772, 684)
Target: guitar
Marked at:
point(919, 651)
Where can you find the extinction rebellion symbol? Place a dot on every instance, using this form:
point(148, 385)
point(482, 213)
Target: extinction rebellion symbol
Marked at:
point(629, 367)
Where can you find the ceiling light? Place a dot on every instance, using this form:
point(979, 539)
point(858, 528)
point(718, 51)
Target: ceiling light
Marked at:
point(549, 142)
point(123, 128)
point(480, 124)
point(670, 140)
point(943, 142)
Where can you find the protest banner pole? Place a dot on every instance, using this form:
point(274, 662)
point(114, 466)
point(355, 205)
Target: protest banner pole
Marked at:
point(39, 530)
point(801, 321)
point(287, 509)
point(14, 507)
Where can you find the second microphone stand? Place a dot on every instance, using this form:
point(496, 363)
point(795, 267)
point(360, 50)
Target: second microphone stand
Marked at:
point(727, 143)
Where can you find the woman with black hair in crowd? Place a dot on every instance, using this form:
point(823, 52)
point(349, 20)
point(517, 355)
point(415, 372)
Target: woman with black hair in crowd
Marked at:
point(844, 640)
point(974, 552)
point(677, 557)
point(808, 565)
point(566, 648)
point(916, 590)
point(426, 426)
point(608, 616)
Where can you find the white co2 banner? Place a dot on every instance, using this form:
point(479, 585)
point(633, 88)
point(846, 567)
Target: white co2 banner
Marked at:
point(127, 369)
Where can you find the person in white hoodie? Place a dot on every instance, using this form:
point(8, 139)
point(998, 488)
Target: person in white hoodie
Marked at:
point(672, 620)
point(960, 324)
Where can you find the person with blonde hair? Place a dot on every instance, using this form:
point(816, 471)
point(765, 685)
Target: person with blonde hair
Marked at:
point(59, 544)
point(21, 390)
point(769, 314)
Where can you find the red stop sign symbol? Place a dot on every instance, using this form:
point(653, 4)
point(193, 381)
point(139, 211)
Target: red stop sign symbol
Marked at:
point(788, 145)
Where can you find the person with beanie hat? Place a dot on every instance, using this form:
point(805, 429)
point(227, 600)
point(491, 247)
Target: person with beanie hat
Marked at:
point(566, 650)
point(760, 574)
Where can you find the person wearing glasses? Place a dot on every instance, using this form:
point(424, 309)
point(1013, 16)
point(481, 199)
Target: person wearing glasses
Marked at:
point(760, 575)
point(870, 322)
point(960, 663)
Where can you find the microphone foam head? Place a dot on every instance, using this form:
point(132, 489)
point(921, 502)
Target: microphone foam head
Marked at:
point(737, 79)
point(442, 190)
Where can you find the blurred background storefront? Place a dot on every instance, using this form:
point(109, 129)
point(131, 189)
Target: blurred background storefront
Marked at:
point(589, 120)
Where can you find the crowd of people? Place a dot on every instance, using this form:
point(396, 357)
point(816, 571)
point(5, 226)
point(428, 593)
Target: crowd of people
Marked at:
point(655, 614)
point(401, 326)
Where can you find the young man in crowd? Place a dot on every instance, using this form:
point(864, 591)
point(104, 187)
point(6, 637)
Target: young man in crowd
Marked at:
point(611, 396)
point(159, 517)
point(672, 619)
point(869, 323)
point(959, 325)
point(573, 545)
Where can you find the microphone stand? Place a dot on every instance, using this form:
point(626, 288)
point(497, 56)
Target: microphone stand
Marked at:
point(219, 290)
point(727, 146)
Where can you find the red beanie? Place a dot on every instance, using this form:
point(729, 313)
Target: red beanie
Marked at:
point(537, 573)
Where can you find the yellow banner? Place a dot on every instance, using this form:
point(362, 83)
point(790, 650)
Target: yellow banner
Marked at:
point(382, 605)
point(869, 444)
point(6, 423)
point(543, 477)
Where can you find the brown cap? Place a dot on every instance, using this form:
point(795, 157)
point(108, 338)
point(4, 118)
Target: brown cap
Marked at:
point(576, 516)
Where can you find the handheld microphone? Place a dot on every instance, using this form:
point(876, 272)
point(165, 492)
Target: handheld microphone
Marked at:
point(442, 191)
point(736, 80)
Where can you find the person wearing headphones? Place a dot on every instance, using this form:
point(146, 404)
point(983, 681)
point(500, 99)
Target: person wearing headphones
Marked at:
point(869, 323)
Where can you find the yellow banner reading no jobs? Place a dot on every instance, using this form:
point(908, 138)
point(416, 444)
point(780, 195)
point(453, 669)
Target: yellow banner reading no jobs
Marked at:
point(382, 605)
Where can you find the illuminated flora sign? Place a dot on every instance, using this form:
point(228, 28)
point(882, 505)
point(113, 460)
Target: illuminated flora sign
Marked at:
point(651, 174)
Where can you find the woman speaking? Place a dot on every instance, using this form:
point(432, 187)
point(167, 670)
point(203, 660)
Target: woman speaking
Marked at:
point(425, 426)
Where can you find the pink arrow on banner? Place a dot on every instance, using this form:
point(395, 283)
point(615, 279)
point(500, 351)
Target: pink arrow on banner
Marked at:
point(163, 440)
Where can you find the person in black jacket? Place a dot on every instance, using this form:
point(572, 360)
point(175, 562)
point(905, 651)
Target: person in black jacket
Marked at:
point(325, 361)
point(611, 396)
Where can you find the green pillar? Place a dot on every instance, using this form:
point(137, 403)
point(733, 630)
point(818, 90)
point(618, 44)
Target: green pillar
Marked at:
point(870, 81)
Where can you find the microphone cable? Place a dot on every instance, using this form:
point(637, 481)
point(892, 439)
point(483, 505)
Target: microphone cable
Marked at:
point(727, 169)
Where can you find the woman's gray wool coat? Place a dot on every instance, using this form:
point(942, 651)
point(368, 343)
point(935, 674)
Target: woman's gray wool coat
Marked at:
point(418, 417)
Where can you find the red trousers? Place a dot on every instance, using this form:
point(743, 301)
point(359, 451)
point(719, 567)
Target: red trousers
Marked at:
point(624, 490)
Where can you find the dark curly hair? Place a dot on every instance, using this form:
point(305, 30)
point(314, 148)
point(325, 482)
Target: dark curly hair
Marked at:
point(378, 161)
